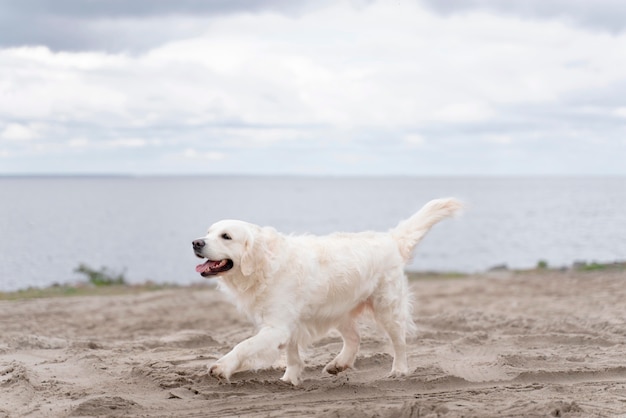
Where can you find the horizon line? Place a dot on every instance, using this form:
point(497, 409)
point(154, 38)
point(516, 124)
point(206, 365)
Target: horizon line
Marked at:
point(302, 175)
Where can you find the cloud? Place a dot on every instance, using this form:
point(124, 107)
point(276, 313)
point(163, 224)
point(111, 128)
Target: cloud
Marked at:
point(119, 25)
point(463, 112)
point(498, 139)
point(97, 9)
point(620, 112)
point(414, 140)
point(206, 155)
point(608, 15)
point(268, 90)
point(18, 132)
point(127, 143)
point(243, 71)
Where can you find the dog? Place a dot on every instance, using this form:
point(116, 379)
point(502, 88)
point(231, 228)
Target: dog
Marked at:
point(298, 288)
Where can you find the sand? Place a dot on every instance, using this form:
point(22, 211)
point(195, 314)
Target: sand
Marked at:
point(500, 344)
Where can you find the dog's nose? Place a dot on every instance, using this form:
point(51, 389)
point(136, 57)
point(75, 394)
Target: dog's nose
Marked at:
point(198, 244)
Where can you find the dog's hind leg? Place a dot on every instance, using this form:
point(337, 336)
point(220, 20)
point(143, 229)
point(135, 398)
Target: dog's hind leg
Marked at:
point(397, 333)
point(393, 313)
point(351, 341)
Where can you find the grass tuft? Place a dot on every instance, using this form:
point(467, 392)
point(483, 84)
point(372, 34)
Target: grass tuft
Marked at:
point(102, 277)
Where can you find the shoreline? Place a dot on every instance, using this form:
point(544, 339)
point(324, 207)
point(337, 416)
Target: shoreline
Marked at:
point(85, 288)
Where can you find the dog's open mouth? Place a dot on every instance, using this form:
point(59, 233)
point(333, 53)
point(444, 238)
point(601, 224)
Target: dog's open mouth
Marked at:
point(211, 268)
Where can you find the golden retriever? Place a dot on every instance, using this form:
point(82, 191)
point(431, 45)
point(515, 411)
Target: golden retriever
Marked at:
point(297, 288)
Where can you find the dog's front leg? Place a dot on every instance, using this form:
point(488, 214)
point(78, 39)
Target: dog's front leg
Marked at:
point(259, 351)
point(295, 365)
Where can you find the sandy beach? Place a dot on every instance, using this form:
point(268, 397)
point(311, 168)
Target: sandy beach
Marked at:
point(543, 344)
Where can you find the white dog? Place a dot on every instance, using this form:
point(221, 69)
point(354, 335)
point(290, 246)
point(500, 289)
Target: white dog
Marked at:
point(297, 288)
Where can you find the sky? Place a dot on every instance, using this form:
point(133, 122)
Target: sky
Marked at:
point(313, 87)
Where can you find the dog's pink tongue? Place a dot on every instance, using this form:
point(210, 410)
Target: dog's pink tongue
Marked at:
point(201, 268)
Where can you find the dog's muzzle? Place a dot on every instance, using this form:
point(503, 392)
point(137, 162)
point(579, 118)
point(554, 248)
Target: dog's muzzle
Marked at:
point(210, 267)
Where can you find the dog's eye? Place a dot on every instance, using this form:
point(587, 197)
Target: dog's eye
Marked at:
point(226, 236)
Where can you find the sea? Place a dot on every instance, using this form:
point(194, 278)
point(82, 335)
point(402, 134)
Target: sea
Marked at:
point(142, 227)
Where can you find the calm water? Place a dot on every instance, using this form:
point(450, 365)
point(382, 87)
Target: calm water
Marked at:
point(144, 226)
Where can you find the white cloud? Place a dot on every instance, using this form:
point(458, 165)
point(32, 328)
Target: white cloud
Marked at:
point(78, 143)
point(620, 112)
point(498, 139)
point(41, 85)
point(268, 80)
point(258, 137)
point(117, 143)
point(463, 112)
point(414, 140)
point(353, 158)
point(269, 68)
point(18, 132)
point(82, 61)
point(193, 154)
point(127, 143)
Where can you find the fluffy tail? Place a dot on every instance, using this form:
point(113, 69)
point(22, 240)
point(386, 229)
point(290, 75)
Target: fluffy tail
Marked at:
point(410, 232)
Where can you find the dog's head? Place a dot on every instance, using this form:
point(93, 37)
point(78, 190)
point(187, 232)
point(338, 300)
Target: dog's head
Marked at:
point(231, 245)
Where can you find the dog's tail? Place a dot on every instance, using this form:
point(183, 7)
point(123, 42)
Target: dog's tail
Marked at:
point(410, 232)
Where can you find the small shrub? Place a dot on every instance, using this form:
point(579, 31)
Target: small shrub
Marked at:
point(102, 277)
point(542, 264)
point(595, 266)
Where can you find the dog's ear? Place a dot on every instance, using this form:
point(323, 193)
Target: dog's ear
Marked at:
point(258, 251)
point(248, 257)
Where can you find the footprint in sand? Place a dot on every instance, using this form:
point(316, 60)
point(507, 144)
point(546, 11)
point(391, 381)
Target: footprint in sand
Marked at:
point(474, 363)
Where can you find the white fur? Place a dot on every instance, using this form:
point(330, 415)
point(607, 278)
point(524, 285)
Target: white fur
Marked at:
point(297, 288)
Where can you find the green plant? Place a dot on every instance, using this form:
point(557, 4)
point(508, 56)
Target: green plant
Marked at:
point(102, 277)
point(595, 266)
point(542, 264)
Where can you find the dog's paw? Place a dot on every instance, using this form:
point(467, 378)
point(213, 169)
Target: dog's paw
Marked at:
point(291, 377)
point(291, 380)
point(219, 372)
point(335, 368)
point(398, 373)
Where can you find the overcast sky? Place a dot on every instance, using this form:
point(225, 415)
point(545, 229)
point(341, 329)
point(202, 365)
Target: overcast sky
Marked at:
point(402, 87)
